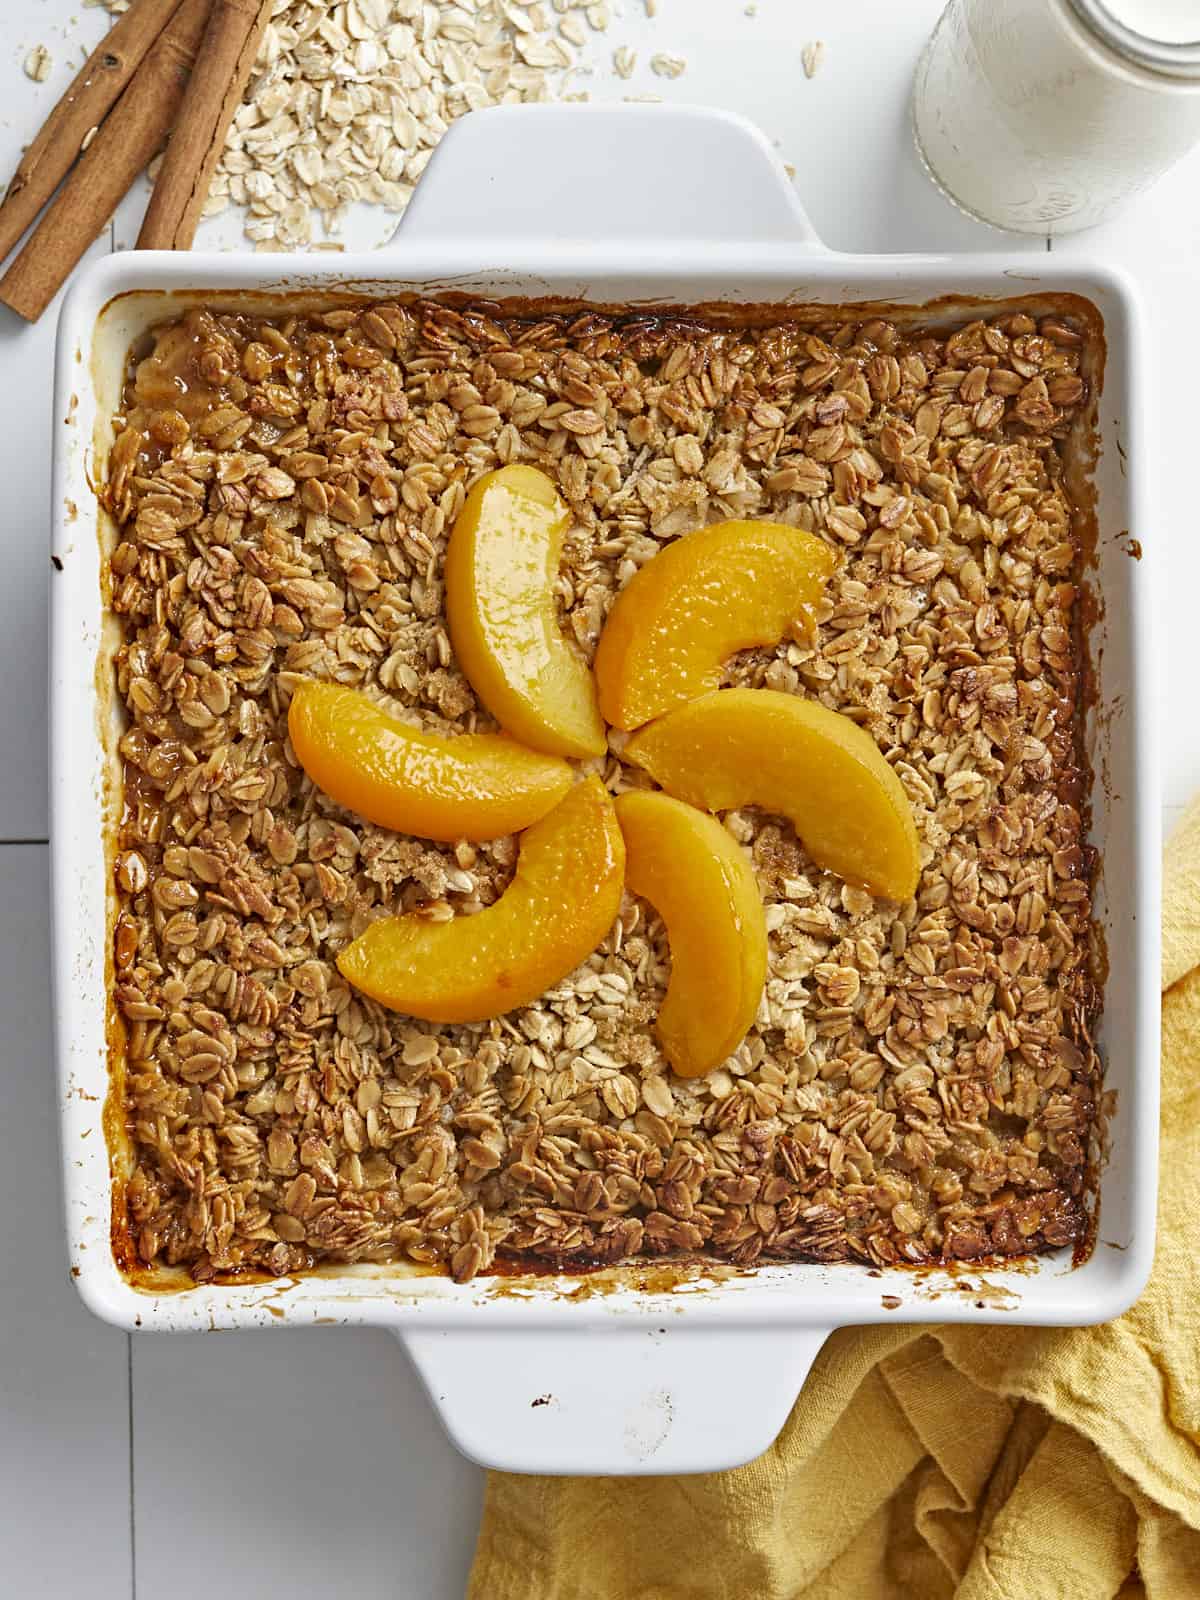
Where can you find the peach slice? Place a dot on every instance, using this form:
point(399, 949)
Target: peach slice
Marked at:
point(476, 786)
point(697, 602)
point(563, 899)
point(694, 875)
point(823, 772)
point(501, 572)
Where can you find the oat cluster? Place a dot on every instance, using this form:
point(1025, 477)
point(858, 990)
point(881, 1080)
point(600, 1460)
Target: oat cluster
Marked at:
point(919, 1083)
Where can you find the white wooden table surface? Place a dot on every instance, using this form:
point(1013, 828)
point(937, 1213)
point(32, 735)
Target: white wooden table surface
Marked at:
point(309, 1463)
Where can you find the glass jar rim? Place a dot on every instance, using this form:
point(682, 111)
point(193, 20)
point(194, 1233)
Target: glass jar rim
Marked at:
point(1168, 59)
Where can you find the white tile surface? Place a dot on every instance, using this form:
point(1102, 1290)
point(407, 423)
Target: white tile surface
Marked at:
point(1158, 241)
point(64, 1393)
point(306, 1464)
point(26, 368)
point(317, 1457)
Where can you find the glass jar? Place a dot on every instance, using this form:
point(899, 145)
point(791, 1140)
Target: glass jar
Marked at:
point(1045, 116)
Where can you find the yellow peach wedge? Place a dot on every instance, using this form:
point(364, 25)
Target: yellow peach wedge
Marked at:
point(757, 747)
point(690, 870)
point(501, 572)
point(474, 786)
point(695, 604)
point(563, 899)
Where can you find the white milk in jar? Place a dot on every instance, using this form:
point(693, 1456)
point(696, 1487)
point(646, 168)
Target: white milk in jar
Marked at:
point(1046, 115)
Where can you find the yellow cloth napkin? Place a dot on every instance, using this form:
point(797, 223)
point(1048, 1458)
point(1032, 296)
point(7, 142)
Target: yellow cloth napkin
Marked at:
point(981, 1463)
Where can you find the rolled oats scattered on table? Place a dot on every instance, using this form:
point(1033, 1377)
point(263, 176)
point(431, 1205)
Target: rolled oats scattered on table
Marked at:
point(349, 99)
point(919, 1083)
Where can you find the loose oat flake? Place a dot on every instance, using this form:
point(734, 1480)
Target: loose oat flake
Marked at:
point(38, 64)
point(624, 61)
point(667, 66)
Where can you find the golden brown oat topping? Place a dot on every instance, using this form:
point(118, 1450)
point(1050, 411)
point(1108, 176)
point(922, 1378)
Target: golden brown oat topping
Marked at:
point(919, 1083)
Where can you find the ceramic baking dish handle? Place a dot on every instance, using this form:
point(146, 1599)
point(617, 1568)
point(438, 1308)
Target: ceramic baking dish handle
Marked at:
point(614, 1401)
point(606, 175)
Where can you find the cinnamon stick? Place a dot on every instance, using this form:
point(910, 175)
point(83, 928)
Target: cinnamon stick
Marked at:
point(129, 136)
point(227, 57)
point(99, 82)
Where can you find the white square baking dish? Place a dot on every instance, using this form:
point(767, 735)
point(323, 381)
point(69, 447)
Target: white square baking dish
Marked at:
point(564, 1374)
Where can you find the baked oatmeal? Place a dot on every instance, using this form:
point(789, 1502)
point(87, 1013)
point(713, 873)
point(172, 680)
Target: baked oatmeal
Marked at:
point(919, 1083)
